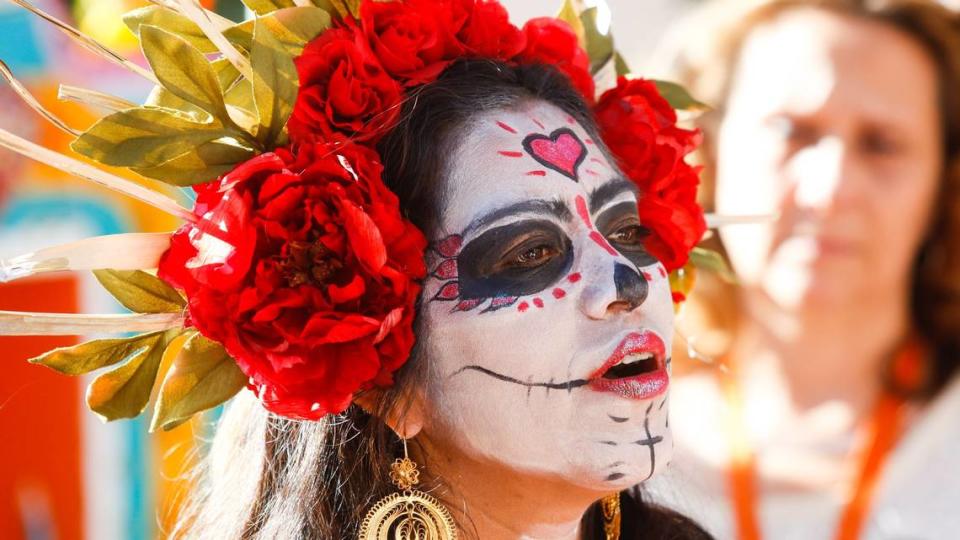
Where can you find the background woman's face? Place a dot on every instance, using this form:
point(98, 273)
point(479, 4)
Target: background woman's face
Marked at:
point(546, 322)
point(833, 123)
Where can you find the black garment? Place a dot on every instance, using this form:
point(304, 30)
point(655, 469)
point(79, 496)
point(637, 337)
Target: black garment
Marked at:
point(642, 520)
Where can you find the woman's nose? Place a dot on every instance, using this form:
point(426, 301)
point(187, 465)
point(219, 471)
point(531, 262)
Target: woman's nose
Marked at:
point(825, 175)
point(619, 291)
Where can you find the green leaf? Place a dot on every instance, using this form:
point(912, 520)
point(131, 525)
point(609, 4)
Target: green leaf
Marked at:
point(678, 97)
point(621, 65)
point(262, 7)
point(275, 84)
point(172, 22)
point(711, 261)
point(204, 163)
point(201, 377)
point(343, 8)
point(293, 27)
point(184, 71)
point(124, 392)
point(599, 46)
point(140, 292)
point(145, 137)
point(568, 14)
point(93, 355)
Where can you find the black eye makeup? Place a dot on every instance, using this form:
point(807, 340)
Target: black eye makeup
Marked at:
point(621, 226)
point(517, 259)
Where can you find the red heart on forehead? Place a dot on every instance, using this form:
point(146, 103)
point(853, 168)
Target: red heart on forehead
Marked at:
point(561, 151)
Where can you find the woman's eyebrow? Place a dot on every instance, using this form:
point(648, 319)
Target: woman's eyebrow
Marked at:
point(556, 208)
point(609, 191)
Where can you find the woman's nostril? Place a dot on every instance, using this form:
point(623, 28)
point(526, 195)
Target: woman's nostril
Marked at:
point(631, 287)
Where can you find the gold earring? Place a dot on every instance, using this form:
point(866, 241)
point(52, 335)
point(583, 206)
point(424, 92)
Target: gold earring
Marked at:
point(408, 514)
point(611, 516)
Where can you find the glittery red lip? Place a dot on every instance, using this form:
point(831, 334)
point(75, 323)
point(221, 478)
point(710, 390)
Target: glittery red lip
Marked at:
point(640, 387)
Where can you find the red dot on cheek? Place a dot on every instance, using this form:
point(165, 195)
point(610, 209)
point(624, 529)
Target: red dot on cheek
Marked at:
point(523, 306)
point(538, 302)
point(575, 277)
point(559, 293)
point(647, 276)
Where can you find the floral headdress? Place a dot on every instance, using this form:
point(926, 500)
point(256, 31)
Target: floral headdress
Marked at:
point(296, 274)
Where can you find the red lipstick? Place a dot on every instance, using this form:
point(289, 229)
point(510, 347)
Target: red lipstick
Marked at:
point(636, 370)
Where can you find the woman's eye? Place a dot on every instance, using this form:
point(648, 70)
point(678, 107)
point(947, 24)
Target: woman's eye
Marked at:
point(533, 256)
point(630, 235)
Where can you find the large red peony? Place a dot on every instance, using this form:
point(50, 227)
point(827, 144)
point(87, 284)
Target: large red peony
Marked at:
point(640, 128)
point(304, 269)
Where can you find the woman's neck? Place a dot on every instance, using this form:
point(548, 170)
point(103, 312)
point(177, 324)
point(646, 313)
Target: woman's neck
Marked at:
point(820, 353)
point(494, 503)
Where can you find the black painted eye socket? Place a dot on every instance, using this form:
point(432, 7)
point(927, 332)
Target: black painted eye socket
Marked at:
point(620, 224)
point(514, 260)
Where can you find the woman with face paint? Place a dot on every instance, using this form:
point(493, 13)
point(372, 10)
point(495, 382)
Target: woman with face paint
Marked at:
point(837, 417)
point(540, 377)
point(430, 264)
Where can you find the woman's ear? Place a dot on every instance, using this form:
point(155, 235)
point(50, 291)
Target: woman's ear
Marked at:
point(405, 417)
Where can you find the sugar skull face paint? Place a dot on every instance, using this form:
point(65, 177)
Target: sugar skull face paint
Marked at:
point(545, 323)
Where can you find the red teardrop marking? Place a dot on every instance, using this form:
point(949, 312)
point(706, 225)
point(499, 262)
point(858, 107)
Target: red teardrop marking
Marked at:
point(450, 291)
point(647, 277)
point(523, 307)
point(538, 302)
point(537, 173)
point(559, 293)
point(506, 127)
point(502, 301)
point(510, 153)
point(663, 272)
point(588, 141)
point(574, 277)
point(449, 247)
point(538, 123)
point(582, 211)
point(467, 305)
point(602, 242)
point(446, 270)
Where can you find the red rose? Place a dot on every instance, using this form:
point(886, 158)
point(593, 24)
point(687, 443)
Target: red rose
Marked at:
point(315, 298)
point(639, 127)
point(342, 89)
point(488, 32)
point(414, 40)
point(552, 42)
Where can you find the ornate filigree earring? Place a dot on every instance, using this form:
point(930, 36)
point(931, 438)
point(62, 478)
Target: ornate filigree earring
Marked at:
point(408, 514)
point(611, 516)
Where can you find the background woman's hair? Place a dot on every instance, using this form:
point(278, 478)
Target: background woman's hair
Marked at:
point(708, 70)
point(267, 477)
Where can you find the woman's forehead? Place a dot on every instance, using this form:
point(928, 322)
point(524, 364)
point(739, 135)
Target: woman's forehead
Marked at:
point(808, 59)
point(534, 151)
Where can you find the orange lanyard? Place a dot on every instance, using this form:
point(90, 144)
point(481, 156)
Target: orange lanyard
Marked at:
point(884, 427)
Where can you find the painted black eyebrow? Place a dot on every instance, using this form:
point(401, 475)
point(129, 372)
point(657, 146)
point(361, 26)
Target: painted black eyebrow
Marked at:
point(609, 191)
point(556, 208)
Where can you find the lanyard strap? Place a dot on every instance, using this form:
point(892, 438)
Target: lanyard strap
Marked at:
point(884, 429)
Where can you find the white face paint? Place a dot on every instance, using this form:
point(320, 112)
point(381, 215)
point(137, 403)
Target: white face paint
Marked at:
point(547, 326)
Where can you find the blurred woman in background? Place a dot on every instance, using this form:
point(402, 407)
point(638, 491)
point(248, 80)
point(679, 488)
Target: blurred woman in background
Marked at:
point(836, 415)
